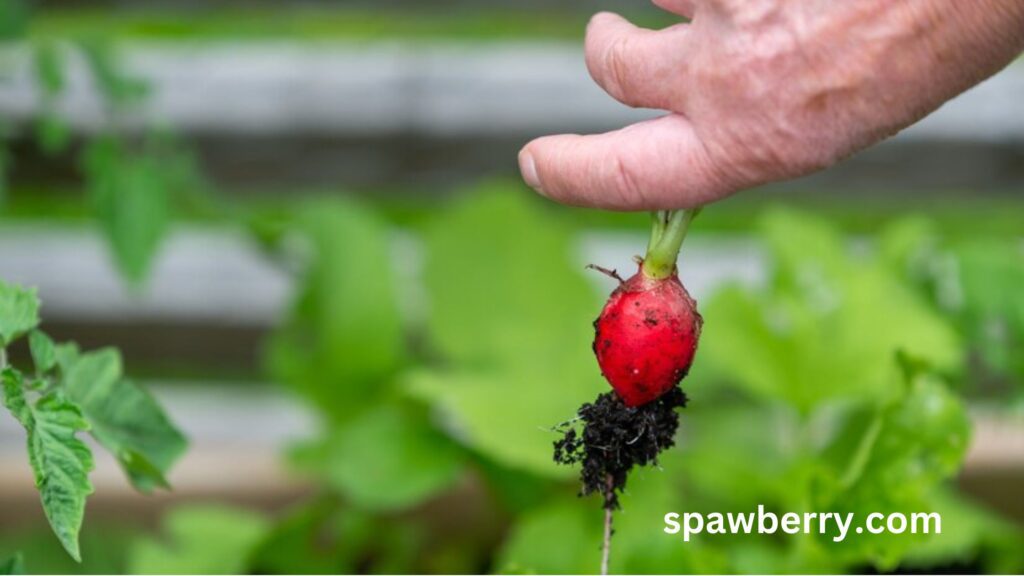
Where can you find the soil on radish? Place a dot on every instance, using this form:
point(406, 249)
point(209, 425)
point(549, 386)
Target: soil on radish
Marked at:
point(614, 437)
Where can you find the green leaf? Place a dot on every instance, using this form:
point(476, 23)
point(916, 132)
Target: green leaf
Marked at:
point(14, 19)
point(556, 539)
point(903, 452)
point(53, 135)
point(130, 195)
point(732, 461)
point(118, 88)
point(970, 534)
point(923, 439)
point(509, 416)
point(990, 274)
point(49, 67)
point(909, 244)
point(343, 342)
point(201, 540)
point(318, 537)
point(13, 565)
point(124, 418)
point(44, 353)
point(503, 288)
point(512, 316)
point(391, 459)
point(60, 461)
point(975, 281)
point(19, 312)
point(52, 132)
point(826, 328)
point(66, 354)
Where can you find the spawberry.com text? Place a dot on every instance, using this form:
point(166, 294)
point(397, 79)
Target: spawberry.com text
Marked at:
point(839, 525)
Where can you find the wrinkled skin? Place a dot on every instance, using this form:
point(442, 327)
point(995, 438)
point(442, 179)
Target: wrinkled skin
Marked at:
point(759, 91)
point(646, 337)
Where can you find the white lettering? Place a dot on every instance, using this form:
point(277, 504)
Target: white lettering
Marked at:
point(671, 526)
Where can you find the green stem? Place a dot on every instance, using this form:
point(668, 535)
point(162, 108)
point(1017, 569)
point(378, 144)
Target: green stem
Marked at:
point(667, 234)
point(659, 220)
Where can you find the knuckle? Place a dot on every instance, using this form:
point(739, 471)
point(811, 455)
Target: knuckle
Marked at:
point(617, 67)
point(626, 181)
point(804, 154)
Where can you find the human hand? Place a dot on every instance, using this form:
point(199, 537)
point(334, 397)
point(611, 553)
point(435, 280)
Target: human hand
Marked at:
point(765, 90)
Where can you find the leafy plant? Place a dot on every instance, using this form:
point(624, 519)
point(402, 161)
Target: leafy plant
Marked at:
point(509, 372)
point(975, 282)
point(70, 393)
point(415, 400)
point(869, 421)
point(832, 386)
point(805, 406)
point(135, 180)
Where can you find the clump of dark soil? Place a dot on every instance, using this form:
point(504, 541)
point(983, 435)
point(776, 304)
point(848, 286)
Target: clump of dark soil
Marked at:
point(614, 438)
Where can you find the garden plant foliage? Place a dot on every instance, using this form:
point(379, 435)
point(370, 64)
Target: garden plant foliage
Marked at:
point(837, 384)
point(66, 395)
point(417, 404)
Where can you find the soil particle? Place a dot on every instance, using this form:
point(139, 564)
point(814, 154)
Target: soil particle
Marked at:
point(613, 438)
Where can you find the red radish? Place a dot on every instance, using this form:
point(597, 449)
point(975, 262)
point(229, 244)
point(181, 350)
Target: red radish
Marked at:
point(645, 341)
point(647, 334)
point(647, 337)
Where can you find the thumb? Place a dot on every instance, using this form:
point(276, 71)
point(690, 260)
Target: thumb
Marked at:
point(660, 164)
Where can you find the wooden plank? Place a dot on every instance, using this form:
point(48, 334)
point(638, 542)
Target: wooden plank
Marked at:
point(431, 90)
point(218, 276)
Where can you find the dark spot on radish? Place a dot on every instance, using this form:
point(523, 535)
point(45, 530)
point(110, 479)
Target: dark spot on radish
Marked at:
point(654, 324)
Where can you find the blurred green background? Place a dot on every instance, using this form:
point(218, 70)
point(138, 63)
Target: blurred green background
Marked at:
point(302, 224)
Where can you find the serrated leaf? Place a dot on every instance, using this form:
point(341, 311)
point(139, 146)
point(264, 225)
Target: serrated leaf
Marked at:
point(19, 312)
point(60, 461)
point(124, 418)
point(44, 353)
point(13, 566)
point(201, 540)
point(343, 343)
point(391, 459)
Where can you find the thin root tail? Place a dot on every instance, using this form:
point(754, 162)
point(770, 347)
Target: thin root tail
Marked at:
point(609, 273)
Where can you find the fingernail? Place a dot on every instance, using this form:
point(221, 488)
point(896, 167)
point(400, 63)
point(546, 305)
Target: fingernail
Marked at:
point(529, 170)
